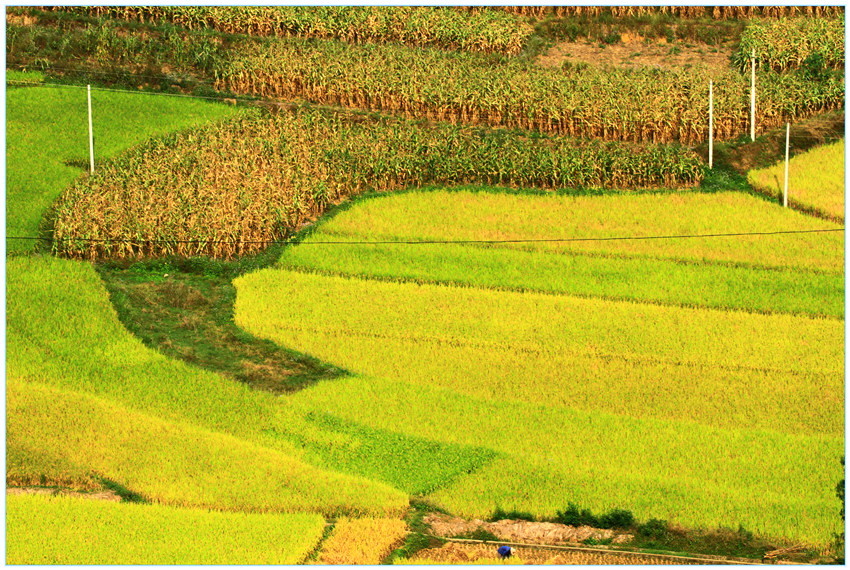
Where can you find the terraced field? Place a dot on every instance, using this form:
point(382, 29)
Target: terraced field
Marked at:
point(485, 321)
point(604, 402)
point(61, 530)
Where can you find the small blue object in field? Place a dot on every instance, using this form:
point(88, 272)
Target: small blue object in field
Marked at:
point(504, 551)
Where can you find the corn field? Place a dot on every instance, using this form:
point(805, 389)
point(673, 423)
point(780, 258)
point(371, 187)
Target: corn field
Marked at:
point(787, 43)
point(715, 12)
point(646, 105)
point(227, 190)
point(483, 31)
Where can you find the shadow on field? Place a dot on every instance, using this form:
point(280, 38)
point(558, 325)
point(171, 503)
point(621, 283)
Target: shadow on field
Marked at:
point(184, 309)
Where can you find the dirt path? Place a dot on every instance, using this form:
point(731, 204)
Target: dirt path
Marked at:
point(523, 531)
point(633, 52)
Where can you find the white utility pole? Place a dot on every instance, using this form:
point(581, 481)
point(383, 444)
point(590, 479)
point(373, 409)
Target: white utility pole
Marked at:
point(91, 135)
point(711, 124)
point(787, 147)
point(753, 97)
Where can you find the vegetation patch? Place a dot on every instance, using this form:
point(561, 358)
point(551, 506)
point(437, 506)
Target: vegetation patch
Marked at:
point(202, 469)
point(785, 43)
point(816, 180)
point(362, 541)
point(448, 28)
point(494, 247)
point(62, 530)
point(232, 189)
point(186, 312)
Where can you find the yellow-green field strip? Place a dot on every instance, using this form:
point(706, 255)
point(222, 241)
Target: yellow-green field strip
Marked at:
point(815, 180)
point(597, 246)
point(64, 530)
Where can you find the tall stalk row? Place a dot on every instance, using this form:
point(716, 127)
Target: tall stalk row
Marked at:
point(789, 42)
point(645, 105)
point(716, 12)
point(223, 190)
point(482, 31)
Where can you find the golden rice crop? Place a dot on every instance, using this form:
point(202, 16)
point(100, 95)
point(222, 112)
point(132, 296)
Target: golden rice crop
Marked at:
point(362, 541)
point(63, 530)
point(815, 180)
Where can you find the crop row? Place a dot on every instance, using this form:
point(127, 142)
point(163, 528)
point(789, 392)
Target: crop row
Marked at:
point(716, 12)
point(483, 31)
point(646, 105)
point(251, 180)
point(789, 42)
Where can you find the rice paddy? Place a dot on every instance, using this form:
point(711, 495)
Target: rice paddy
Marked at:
point(597, 332)
point(61, 530)
point(606, 403)
point(815, 180)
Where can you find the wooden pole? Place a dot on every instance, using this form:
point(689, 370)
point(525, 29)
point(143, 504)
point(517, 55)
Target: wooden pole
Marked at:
point(753, 96)
point(787, 148)
point(91, 135)
point(711, 124)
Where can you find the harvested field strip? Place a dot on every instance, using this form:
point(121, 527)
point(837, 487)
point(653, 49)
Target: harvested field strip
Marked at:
point(448, 28)
point(176, 464)
point(214, 196)
point(816, 180)
point(581, 101)
point(565, 351)
point(64, 530)
point(362, 541)
point(459, 552)
point(700, 477)
point(62, 331)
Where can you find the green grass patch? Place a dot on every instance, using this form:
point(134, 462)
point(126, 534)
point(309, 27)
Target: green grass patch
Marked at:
point(412, 464)
point(35, 145)
point(61, 530)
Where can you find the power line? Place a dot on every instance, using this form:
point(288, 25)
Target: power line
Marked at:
point(423, 242)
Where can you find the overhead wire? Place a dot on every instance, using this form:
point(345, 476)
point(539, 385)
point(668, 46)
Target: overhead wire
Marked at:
point(425, 242)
